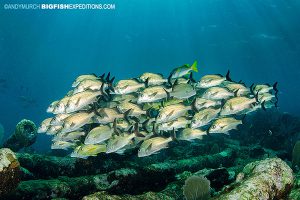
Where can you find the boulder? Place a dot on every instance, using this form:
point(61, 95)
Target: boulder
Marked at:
point(9, 171)
point(268, 179)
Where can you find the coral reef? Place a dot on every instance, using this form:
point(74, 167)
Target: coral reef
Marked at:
point(266, 179)
point(1, 133)
point(271, 129)
point(296, 155)
point(158, 176)
point(24, 136)
point(196, 188)
point(9, 171)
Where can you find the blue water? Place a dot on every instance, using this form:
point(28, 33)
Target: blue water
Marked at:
point(41, 52)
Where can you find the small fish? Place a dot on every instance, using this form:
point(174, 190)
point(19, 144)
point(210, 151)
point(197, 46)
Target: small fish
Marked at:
point(84, 77)
point(135, 110)
point(62, 145)
point(172, 112)
point(182, 91)
point(201, 103)
point(60, 107)
point(152, 94)
point(178, 123)
point(52, 130)
point(237, 104)
point(70, 93)
point(58, 119)
point(124, 97)
point(98, 135)
point(224, 125)
point(183, 71)
point(128, 86)
point(190, 134)
point(153, 146)
point(44, 125)
point(52, 106)
point(85, 151)
point(217, 93)
point(238, 88)
point(153, 79)
point(117, 142)
point(71, 136)
point(81, 100)
point(122, 124)
point(204, 117)
point(263, 88)
point(108, 115)
point(265, 97)
point(213, 80)
point(76, 121)
point(90, 84)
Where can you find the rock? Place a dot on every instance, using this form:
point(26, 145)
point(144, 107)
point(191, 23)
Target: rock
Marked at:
point(149, 196)
point(24, 136)
point(9, 171)
point(193, 164)
point(268, 179)
point(62, 187)
point(217, 177)
point(256, 151)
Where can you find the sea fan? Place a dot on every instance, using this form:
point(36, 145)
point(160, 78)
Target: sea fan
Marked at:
point(196, 188)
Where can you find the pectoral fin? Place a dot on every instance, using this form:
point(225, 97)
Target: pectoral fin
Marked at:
point(153, 94)
point(170, 114)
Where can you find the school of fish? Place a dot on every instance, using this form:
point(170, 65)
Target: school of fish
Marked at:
point(146, 113)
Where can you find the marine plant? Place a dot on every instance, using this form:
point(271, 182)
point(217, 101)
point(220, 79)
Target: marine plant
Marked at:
point(196, 188)
point(296, 155)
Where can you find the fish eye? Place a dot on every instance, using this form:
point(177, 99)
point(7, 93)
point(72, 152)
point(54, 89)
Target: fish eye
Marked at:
point(213, 126)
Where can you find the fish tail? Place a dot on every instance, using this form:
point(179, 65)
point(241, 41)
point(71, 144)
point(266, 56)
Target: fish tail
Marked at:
point(173, 135)
point(194, 66)
point(228, 76)
point(275, 87)
point(263, 105)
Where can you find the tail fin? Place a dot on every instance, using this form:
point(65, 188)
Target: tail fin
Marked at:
point(191, 78)
point(94, 109)
point(144, 125)
point(168, 94)
point(276, 102)
point(136, 130)
point(193, 105)
point(107, 77)
point(151, 112)
point(251, 88)
point(147, 82)
point(173, 135)
point(227, 76)
point(169, 79)
point(256, 97)
point(194, 66)
point(102, 76)
point(112, 80)
point(263, 105)
point(126, 115)
point(275, 87)
point(236, 92)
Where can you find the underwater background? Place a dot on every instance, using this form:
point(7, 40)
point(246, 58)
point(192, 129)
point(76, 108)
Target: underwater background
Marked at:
point(42, 51)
